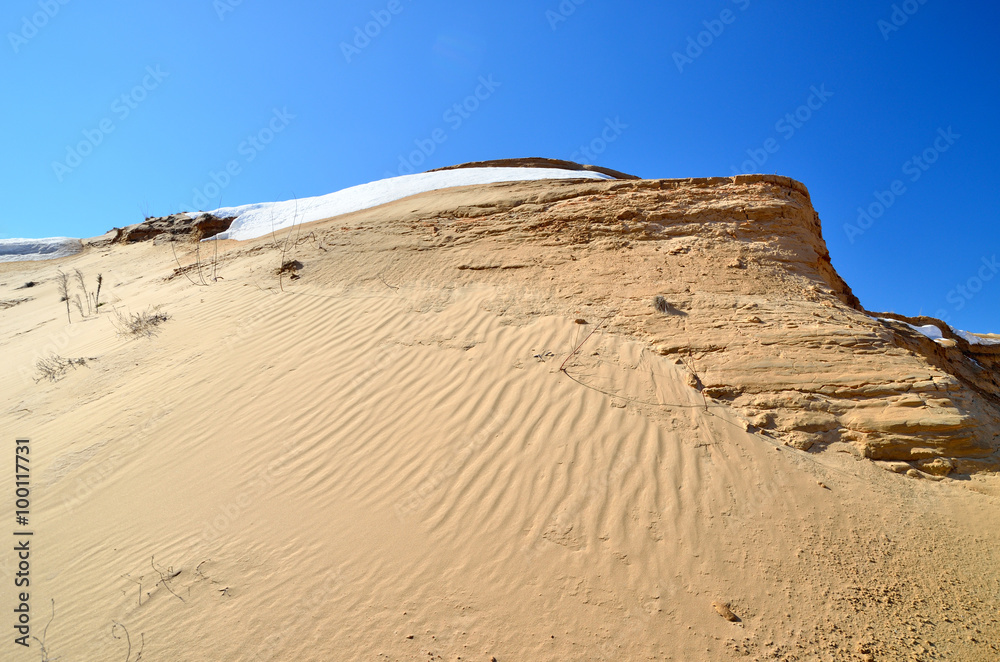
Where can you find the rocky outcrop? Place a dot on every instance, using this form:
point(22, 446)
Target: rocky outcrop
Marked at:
point(730, 277)
point(176, 227)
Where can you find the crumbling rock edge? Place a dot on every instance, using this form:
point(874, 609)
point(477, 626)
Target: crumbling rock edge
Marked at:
point(175, 227)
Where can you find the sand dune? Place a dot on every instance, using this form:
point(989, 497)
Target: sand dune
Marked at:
point(376, 456)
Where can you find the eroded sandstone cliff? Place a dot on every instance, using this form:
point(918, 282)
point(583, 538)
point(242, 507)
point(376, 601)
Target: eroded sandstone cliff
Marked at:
point(749, 302)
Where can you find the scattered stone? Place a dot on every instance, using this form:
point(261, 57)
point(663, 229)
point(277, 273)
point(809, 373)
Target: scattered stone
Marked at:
point(580, 321)
point(726, 612)
point(291, 267)
point(937, 467)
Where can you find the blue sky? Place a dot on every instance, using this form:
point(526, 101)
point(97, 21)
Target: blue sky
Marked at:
point(115, 109)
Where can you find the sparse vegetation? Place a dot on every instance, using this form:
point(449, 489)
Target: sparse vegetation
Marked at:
point(288, 265)
point(97, 295)
point(200, 281)
point(54, 367)
point(63, 284)
point(10, 303)
point(665, 307)
point(93, 302)
point(143, 324)
point(86, 295)
point(47, 657)
point(128, 654)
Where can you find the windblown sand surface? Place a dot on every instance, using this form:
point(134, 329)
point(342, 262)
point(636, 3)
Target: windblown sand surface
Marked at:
point(381, 459)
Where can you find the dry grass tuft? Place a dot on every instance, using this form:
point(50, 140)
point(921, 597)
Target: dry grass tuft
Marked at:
point(135, 325)
point(55, 366)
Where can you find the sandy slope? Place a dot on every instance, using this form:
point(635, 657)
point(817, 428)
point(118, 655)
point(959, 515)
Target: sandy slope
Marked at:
point(381, 460)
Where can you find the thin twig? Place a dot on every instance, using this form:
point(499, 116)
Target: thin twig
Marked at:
point(163, 579)
point(64, 293)
point(86, 295)
point(215, 259)
point(197, 251)
point(284, 247)
point(135, 581)
point(128, 639)
point(45, 633)
point(562, 368)
point(391, 287)
point(180, 268)
point(97, 295)
point(274, 238)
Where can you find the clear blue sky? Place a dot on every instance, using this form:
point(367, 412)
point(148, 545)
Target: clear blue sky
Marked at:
point(163, 95)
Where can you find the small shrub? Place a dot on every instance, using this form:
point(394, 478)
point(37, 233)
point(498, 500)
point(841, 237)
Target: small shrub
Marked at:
point(667, 308)
point(55, 366)
point(135, 325)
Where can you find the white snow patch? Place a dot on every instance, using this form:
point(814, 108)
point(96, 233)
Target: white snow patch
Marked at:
point(930, 330)
point(973, 339)
point(23, 250)
point(260, 219)
point(934, 332)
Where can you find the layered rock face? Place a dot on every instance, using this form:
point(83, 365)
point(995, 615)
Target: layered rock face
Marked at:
point(176, 227)
point(732, 278)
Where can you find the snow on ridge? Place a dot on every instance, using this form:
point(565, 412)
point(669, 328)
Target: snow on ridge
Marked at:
point(933, 331)
point(258, 220)
point(23, 250)
point(974, 339)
